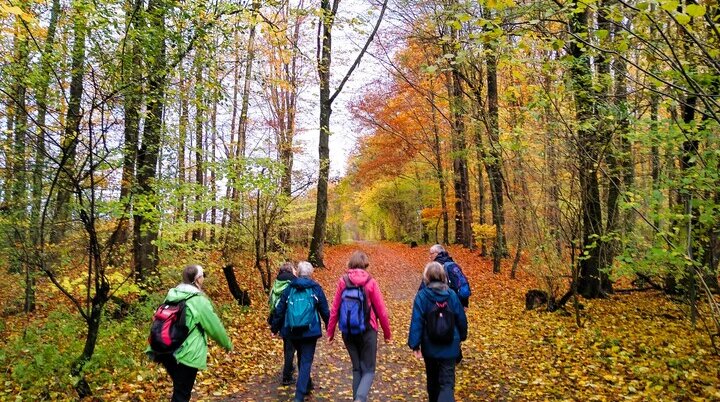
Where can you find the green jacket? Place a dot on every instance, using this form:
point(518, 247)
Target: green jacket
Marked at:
point(202, 321)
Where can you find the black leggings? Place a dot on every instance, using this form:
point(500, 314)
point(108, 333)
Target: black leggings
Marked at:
point(183, 378)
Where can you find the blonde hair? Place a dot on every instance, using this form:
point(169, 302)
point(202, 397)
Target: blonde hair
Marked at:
point(358, 260)
point(434, 272)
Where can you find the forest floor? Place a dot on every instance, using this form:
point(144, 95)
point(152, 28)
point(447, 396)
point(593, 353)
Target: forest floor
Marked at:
point(637, 346)
point(631, 347)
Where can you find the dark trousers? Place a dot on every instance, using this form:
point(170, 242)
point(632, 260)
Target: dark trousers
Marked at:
point(183, 378)
point(305, 348)
point(440, 379)
point(363, 353)
point(289, 364)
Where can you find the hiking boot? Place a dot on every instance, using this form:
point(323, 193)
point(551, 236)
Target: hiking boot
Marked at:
point(288, 381)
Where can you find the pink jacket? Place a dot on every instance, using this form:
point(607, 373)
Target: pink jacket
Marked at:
point(361, 277)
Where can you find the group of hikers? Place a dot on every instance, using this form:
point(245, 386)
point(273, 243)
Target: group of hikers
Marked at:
point(297, 307)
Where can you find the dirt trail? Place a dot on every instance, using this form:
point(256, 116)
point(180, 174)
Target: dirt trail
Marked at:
point(399, 376)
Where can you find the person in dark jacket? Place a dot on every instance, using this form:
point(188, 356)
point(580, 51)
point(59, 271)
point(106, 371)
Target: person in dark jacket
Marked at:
point(285, 275)
point(305, 341)
point(456, 278)
point(439, 358)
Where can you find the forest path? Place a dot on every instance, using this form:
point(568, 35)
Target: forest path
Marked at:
point(399, 376)
point(631, 346)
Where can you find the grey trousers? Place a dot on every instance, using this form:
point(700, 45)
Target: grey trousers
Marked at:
point(363, 352)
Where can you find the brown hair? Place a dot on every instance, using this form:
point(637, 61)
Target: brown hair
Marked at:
point(434, 272)
point(190, 272)
point(287, 266)
point(358, 260)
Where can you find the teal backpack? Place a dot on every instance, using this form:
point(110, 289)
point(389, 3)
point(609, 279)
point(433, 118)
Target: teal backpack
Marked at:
point(276, 292)
point(301, 312)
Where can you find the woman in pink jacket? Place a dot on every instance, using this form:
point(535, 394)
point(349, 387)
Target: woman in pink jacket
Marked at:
point(358, 306)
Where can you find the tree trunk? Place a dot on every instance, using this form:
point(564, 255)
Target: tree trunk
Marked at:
point(440, 171)
point(183, 124)
point(461, 181)
point(587, 151)
point(317, 242)
point(243, 122)
point(480, 153)
point(132, 66)
point(72, 128)
point(493, 164)
point(146, 226)
point(199, 164)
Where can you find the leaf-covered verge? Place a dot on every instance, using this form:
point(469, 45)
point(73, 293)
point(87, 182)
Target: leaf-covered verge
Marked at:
point(637, 346)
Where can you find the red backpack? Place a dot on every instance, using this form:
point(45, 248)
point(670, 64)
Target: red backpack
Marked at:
point(168, 330)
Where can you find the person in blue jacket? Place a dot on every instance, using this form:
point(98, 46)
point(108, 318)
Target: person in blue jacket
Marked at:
point(305, 341)
point(439, 358)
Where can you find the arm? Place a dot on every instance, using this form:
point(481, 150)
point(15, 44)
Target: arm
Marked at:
point(323, 308)
point(378, 304)
point(210, 322)
point(461, 320)
point(416, 325)
point(332, 322)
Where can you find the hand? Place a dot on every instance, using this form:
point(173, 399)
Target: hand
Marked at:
point(465, 309)
point(388, 340)
point(274, 334)
point(418, 353)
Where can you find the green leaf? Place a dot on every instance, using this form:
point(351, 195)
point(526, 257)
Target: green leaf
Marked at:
point(558, 44)
point(682, 18)
point(695, 10)
point(602, 33)
point(670, 5)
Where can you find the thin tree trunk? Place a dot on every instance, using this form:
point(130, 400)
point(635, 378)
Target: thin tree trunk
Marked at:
point(183, 123)
point(145, 226)
point(197, 233)
point(440, 170)
point(38, 168)
point(132, 66)
point(72, 127)
point(493, 164)
point(317, 243)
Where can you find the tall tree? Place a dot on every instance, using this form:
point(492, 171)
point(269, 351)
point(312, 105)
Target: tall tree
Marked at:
point(328, 12)
point(145, 227)
point(72, 123)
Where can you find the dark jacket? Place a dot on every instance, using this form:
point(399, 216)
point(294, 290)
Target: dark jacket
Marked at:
point(424, 301)
point(278, 321)
point(456, 278)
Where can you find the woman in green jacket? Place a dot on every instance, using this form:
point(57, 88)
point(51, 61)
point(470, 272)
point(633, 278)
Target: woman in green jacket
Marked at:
point(201, 321)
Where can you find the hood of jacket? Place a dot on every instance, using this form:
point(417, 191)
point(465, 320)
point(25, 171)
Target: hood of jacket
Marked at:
point(443, 257)
point(181, 292)
point(358, 276)
point(285, 276)
point(302, 282)
point(437, 291)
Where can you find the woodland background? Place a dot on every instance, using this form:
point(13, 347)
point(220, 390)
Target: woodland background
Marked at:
point(576, 142)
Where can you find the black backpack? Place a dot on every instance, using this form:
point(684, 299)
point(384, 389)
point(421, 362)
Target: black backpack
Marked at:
point(440, 323)
point(168, 330)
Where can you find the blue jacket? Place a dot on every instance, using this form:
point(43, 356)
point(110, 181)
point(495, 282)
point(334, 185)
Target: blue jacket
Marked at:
point(424, 301)
point(278, 319)
point(456, 278)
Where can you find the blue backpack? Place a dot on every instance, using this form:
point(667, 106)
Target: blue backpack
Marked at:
point(301, 312)
point(457, 280)
point(353, 317)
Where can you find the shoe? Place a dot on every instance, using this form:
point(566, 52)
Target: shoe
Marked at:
point(288, 381)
